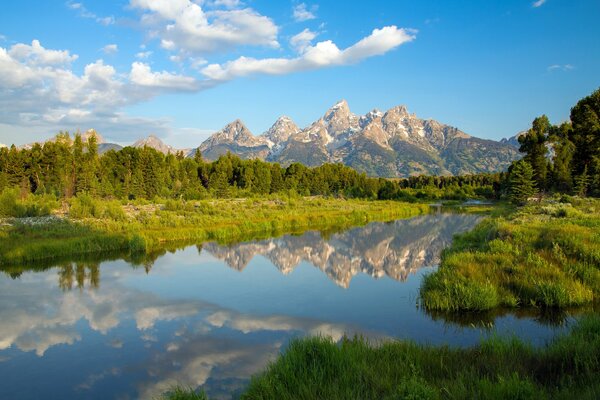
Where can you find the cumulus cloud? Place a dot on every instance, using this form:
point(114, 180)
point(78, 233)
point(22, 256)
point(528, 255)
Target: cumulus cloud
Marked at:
point(302, 13)
point(302, 40)
point(36, 54)
point(39, 92)
point(323, 54)
point(538, 3)
point(142, 75)
point(184, 25)
point(110, 49)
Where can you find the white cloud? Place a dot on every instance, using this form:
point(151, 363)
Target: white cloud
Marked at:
point(226, 3)
point(142, 75)
point(560, 67)
point(183, 25)
point(143, 54)
point(85, 13)
point(36, 54)
point(40, 94)
point(110, 49)
point(323, 54)
point(538, 3)
point(302, 40)
point(301, 12)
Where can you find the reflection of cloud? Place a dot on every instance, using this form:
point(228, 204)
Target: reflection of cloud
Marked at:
point(147, 317)
point(93, 378)
point(248, 323)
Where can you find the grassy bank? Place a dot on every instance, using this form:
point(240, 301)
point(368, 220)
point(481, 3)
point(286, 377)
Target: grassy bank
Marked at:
point(317, 368)
point(545, 255)
point(88, 225)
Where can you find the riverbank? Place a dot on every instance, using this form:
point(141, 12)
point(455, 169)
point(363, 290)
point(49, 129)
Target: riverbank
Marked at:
point(498, 368)
point(541, 255)
point(89, 226)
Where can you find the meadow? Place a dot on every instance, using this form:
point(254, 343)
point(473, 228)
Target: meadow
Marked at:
point(86, 225)
point(542, 255)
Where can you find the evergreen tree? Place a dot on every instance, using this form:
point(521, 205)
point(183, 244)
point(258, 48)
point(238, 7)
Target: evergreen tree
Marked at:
point(521, 182)
point(582, 182)
point(533, 144)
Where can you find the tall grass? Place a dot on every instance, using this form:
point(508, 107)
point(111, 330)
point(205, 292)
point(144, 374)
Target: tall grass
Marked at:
point(498, 368)
point(540, 255)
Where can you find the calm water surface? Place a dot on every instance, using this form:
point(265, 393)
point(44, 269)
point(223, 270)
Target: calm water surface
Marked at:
point(214, 315)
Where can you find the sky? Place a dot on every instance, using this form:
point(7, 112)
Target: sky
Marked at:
point(183, 69)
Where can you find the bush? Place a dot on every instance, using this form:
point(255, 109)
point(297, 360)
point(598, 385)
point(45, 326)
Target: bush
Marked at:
point(31, 206)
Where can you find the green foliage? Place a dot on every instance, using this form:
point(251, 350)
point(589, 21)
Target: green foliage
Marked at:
point(546, 256)
point(141, 227)
point(522, 184)
point(533, 144)
point(575, 167)
point(32, 206)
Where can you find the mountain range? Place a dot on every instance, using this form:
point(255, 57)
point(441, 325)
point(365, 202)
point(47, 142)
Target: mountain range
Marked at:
point(394, 143)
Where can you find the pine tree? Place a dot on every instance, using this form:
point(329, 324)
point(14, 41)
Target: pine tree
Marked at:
point(582, 183)
point(521, 182)
point(533, 144)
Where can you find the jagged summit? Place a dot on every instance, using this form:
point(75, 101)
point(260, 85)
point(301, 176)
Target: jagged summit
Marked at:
point(394, 143)
point(280, 131)
point(156, 143)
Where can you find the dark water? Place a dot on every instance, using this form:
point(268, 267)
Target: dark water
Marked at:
point(213, 315)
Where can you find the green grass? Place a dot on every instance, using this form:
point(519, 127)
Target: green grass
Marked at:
point(318, 368)
point(542, 255)
point(97, 226)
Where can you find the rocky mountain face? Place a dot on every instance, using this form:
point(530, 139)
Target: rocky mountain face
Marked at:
point(513, 140)
point(395, 249)
point(236, 138)
point(154, 143)
point(394, 143)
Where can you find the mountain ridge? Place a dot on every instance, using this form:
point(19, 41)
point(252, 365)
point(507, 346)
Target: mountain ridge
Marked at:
point(394, 143)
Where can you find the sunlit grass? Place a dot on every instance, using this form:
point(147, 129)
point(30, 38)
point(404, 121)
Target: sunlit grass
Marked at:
point(499, 368)
point(541, 255)
point(93, 225)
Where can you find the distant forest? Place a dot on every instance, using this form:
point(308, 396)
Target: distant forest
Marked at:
point(564, 159)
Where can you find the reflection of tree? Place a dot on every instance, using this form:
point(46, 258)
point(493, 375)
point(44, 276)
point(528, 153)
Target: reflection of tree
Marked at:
point(486, 319)
point(78, 273)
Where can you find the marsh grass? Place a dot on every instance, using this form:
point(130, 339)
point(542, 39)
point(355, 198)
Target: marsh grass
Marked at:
point(96, 226)
point(540, 255)
point(498, 368)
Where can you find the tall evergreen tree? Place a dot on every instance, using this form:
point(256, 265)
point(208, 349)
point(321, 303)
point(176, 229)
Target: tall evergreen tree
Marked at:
point(533, 144)
point(521, 182)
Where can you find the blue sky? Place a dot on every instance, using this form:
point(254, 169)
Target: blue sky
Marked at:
point(182, 69)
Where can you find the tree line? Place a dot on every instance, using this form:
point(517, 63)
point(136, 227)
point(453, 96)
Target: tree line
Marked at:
point(561, 158)
point(67, 166)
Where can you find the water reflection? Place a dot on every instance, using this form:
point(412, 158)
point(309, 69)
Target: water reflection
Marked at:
point(394, 249)
point(132, 329)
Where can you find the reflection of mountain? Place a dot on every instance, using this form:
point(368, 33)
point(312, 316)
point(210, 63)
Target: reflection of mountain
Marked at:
point(395, 249)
